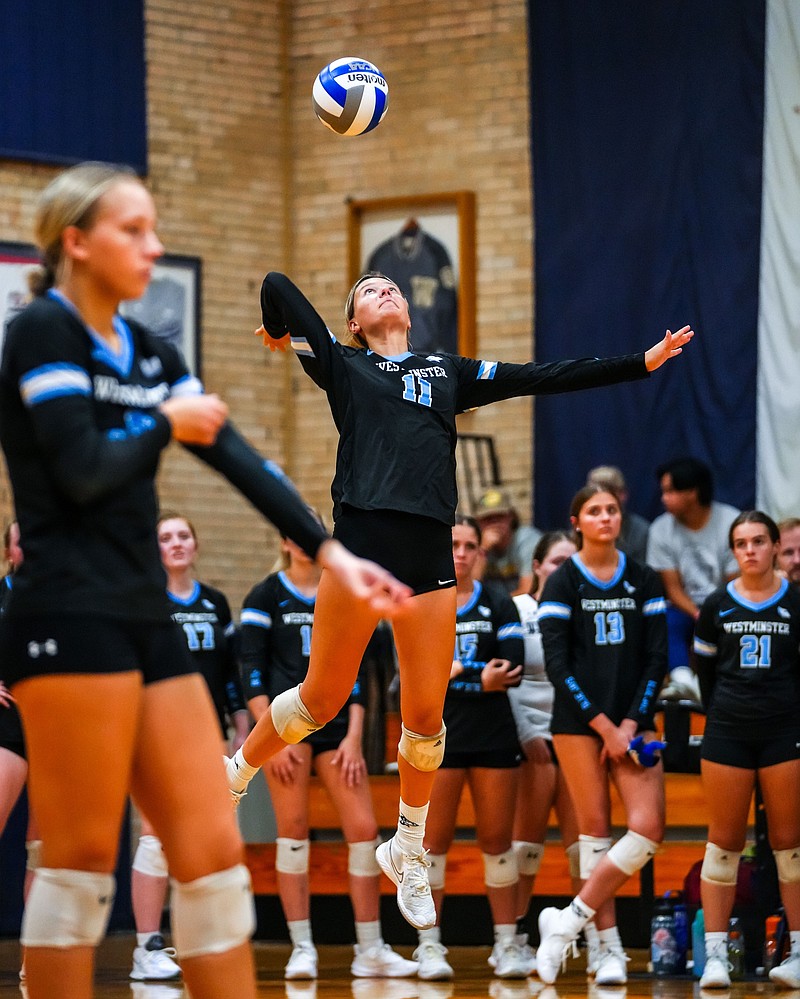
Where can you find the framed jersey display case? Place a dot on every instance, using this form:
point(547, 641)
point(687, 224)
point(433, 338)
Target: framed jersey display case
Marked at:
point(426, 243)
point(170, 307)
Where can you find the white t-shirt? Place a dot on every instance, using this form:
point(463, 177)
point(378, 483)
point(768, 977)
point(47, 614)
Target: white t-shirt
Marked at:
point(703, 558)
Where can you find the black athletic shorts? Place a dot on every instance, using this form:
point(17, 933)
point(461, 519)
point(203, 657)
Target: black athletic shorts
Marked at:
point(416, 550)
point(753, 752)
point(49, 644)
point(11, 736)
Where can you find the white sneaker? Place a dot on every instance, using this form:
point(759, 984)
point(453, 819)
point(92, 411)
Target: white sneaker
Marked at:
point(682, 686)
point(154, 962)
point(236, 785)
point(593, 952)
point(529, 954)
point(303, 962)
point(431, 961)
point(787, 973)
point(510, 960)
point(554, 946)
point(381, 961)
point(610, 969)
point(410, 874)
point(716, 974)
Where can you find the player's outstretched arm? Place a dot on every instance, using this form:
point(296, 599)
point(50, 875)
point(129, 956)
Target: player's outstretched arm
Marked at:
point(367, 580)
point(670, 346)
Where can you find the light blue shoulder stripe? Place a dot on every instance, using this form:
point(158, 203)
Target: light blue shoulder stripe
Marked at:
point(487, 370)
point(53, 380)
point(259, 619)
point(704, 648)
point(551, 609)
point(510, 631)
point(658, 605)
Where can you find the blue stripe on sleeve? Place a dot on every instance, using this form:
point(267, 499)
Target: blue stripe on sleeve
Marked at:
point(704, 648)
point(52, 381)
point(551, 609)
point(658, 605)
point(510, 631)
point(487, 370)
point(259, 619)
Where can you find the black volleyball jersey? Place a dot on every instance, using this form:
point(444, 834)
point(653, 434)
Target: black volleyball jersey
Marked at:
point(748, 660)
point(205, 619)
point(82, 435)
point(487, 627)
point(275, 643)
point(396, 416)
point(605, 643)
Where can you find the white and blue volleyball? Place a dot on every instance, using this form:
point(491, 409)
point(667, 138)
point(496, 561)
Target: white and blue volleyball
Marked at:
point(350, 96)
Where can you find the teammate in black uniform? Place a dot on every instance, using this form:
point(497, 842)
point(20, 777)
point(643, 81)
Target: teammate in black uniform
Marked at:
point(276, 627)
point(603, 623)
point(87, 403)
point(204, 617)
point(394, 494)
point(747, 641)
point(482, 751)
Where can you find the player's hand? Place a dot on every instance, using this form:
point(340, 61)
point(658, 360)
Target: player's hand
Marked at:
point(670, 346)
point(456, 669)
point(6, 697)
point(285, 765)
point(195, 419)
point(645, 754)
point(366, 580)
point(499, 675)
point(350, 760)
point(281, 344)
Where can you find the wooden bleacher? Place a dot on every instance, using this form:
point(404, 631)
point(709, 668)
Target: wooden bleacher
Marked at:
point(684, 842)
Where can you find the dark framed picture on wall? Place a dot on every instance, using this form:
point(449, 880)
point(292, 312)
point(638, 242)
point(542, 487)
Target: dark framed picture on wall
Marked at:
point(425, 243)
point(170, 307)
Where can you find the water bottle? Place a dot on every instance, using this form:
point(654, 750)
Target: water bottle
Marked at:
point(681, 917)
point(736, 948)
point(699, 944)
point(771, 957)
point(663, 945)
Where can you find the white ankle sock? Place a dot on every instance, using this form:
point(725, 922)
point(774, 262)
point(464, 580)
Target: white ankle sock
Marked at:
point(243, 768)
point(411, 828)
point(368, 934)
point(299, 931)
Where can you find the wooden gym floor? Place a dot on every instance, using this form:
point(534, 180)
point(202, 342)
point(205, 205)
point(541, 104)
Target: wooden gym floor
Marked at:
point(473, 979)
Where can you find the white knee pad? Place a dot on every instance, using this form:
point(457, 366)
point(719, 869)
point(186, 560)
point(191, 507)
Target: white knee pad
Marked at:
point(500, 869)
point(213, 914)
point(423, 752)
point(529, 857)
point(67, 908)
point(573, 852)
point(788, 864)
point(33, 851)
point(149, 858)
point(291, 855)
point(631, 852)
point(437, 870)
point(290, 716)
point(720, 867)
point(591, 850)
point(361, 860)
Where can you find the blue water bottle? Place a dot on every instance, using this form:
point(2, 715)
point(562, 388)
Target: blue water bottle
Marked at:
point(699, 944)
point(681, 917)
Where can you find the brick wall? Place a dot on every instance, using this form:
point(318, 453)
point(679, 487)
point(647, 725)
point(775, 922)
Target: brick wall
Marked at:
point(246, 179)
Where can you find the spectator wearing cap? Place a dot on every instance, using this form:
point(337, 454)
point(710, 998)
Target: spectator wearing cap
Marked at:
point(507, 545)
point(633, 535)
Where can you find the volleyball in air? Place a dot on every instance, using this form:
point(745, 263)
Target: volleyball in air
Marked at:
point(350, 96)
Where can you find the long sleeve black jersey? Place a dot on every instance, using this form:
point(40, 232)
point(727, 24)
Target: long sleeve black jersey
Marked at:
point(205, 618)
point(82, 435)
point(275, 643)
point(487, 627)
point(748, 661)
point(396, 416)
point(605, 644)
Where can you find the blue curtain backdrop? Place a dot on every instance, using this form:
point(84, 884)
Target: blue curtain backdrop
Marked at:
point(647, 124)
point(72, 85)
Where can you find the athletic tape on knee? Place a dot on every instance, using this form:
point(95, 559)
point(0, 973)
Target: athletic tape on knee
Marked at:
point(213, 914)
point(423, 752)
point(573, 852)
point(361, 860)
point(591, 850)
point(149, 858)
point(500, 869)
point(67, 908)
point(720, 867)
point(529, 857)
point(291, 855)
point(33, 851)
point(437, 870)
point(631, 852)
point(290, 716)
point(788, 864)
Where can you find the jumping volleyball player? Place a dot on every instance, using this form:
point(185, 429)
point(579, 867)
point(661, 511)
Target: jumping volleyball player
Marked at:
point(394, 496)
point(105, 687)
